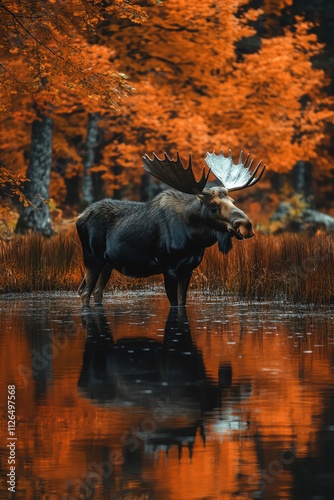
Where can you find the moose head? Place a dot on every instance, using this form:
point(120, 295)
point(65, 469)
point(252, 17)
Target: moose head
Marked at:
point(221, 212)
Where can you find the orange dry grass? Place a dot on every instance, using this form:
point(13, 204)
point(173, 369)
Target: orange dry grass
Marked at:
point(298, 268)
point(32, 262)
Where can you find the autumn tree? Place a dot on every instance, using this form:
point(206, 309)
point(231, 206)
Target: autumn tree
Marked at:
point(174, 64)
point(196, 92)
point(52, 41)
point(50, 62)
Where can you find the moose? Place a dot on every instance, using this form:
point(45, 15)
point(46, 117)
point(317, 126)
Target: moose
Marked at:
point(169, 234)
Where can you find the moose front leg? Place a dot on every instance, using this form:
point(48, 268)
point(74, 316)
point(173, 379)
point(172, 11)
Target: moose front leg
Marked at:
point(183, 283)
point(184, 273)
point(176, 286)
point(171, 286)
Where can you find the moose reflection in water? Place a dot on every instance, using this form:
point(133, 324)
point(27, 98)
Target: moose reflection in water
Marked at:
point(167, 378)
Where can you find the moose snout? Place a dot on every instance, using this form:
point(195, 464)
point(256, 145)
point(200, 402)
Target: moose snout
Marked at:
point(243, 228)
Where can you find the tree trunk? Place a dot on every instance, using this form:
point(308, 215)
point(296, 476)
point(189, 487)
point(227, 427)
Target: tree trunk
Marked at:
point(302, 178)
point(148, 189)
point(302, 181)
point(89, 158)
point(37, 216)
point(73, 190)
point(118, 191)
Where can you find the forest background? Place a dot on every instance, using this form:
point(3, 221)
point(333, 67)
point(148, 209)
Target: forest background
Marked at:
point(87, 87)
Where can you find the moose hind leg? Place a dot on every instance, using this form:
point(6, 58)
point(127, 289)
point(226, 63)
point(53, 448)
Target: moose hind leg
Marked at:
point(101, 283)
point(82, 287)
point(92, 275)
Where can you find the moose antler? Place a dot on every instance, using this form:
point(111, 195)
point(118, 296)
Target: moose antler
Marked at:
point(234, 176)
point(173, 173)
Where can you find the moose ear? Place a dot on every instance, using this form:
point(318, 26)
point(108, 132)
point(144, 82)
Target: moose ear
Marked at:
point(205, 196)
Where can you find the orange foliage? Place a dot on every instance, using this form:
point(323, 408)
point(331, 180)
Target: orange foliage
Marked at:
point(48, 51)
point(50, 62)
point(11, 185)
point(193, 90)
point(194, 93)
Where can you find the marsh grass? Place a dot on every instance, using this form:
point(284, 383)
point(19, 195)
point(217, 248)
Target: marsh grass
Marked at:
point(32, 262)
point(297, 268)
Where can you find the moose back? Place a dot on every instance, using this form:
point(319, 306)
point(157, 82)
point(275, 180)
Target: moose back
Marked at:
point(169, 234)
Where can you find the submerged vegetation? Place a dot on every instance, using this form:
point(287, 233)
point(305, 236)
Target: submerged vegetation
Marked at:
point(297, 268)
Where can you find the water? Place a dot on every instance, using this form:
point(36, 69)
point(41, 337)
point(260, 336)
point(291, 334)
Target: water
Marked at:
point(130, 402)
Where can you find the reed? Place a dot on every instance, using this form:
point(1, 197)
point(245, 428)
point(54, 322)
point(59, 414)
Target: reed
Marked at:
point(296, 268)
point(32, 262)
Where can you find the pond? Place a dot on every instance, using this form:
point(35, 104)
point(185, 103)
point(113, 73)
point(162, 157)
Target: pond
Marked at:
point(133, 401)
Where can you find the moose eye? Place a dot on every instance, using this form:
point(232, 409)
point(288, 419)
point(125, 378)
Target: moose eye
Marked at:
point(214, 209)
